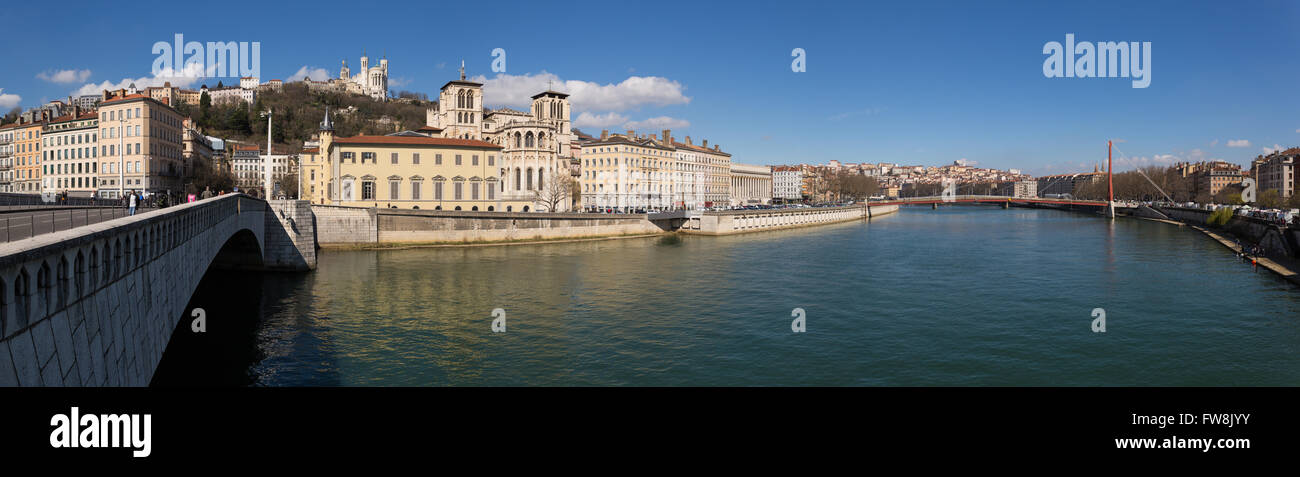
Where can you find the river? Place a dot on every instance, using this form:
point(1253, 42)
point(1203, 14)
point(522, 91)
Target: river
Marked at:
point(963, 295)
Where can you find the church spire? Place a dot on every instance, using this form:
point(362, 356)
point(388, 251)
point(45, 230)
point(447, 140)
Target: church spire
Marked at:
point(327, 125)
point(462, 70)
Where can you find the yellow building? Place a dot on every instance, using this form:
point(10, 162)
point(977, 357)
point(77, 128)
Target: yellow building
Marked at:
point(408, 172)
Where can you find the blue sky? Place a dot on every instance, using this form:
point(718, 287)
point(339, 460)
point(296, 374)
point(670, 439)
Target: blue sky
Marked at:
point(909, 82)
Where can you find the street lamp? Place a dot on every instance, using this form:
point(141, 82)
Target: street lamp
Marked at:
point(266, 160)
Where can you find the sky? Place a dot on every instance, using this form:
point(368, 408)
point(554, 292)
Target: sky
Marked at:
point(916, 82)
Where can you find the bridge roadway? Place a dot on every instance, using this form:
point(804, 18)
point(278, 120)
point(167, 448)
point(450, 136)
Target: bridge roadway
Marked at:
point(97, 304)
point(22, 222)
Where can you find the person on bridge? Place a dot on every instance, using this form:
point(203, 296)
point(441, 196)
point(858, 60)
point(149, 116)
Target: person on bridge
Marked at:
point(207, 193)
point(131, 209)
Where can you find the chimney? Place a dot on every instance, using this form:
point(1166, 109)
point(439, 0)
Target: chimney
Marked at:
point(716, 147)
point(668, 134)
point(705, 144)
point(688, 141)
point(604, 134)
point(631, 133)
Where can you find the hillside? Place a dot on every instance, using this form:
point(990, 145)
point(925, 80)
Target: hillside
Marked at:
point(298, 113)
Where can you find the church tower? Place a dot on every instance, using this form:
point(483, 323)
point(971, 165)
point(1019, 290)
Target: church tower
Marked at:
point(460, 105)
point(344, 73)
point(330, 157)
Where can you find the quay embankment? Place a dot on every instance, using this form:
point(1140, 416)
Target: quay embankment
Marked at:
point(1280, 244)
point(374, 228)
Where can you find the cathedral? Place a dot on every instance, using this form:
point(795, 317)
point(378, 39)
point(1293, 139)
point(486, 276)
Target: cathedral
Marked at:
point(535, 144)
point(371, 81)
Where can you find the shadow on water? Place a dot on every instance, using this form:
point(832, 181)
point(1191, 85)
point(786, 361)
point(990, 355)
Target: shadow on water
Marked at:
point(236, 342)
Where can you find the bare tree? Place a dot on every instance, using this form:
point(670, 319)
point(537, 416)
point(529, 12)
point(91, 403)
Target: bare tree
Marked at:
point(558, 188)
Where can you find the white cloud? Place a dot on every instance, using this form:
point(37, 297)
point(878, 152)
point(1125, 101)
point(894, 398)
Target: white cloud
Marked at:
point(657, 123)
point(1275, 148)
point(1298, 130)
point(8, 101)
point(965, 162)
point(181, 79)
point(316, 74)
point(1238, 143)
point(65, 76)
point(586, 119)
point(631, 93)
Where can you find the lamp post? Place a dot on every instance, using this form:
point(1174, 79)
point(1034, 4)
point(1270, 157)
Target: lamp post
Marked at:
point(266, 160)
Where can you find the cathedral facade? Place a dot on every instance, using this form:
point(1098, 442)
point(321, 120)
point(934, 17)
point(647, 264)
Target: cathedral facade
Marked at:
point(370, 80)
point(535, 145)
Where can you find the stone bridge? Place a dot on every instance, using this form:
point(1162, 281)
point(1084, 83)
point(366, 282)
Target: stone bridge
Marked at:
point(97, 304)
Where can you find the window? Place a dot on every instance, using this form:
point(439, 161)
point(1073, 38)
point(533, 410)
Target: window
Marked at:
point(368, 155)
point(367, 189)
point(415, 190)
point(415, 158)
point(437, 159)
point(394, 158)
point(437, 190)
point(393, 189)
point(492, 160)
point(458, 159)
point(460, 188)
point(491, 193)
point(348, 156)
point(473, 191)
point(473, 160)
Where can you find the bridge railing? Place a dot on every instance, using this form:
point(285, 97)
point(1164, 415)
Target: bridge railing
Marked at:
point(43, 275)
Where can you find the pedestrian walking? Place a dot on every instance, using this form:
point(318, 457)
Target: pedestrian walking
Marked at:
point(131, 209)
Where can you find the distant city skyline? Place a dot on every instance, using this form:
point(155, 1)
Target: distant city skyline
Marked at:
point(925, 84)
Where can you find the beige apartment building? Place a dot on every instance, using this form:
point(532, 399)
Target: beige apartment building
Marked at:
point(1277, 172)
point(626, 172)
point(70, 147)
point(140, 146)
point(703, 175)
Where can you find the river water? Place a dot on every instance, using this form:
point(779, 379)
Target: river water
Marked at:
point(966, 296)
